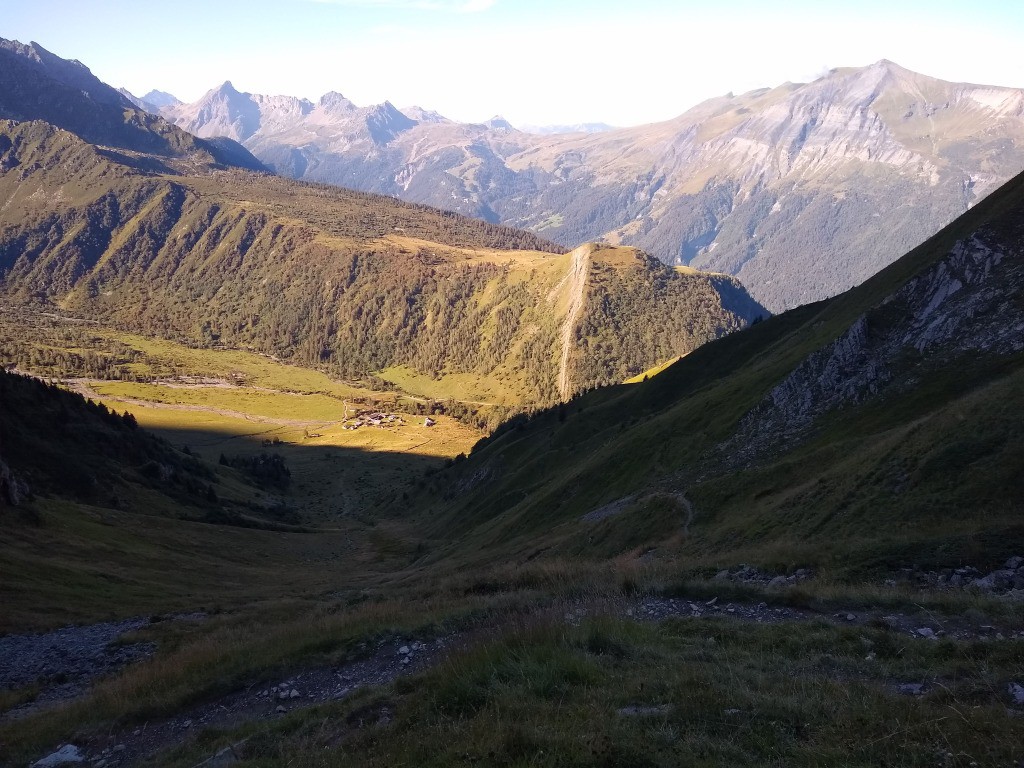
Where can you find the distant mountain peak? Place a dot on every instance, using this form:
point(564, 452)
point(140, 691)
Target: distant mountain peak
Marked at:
point(890, 66)
point(153, 101)
point(332, 101)
point(227, 88)
point(385, 122)
point(37, 53)
point(499, 123)
point(421, 115)
point(70, 72)
point(161, 98)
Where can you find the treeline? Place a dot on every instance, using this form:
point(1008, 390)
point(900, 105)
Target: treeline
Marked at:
point(486, 419)
point(54, 346)
point(348, 213)
point(65, 363)
point(267, 469)
point(63, 444)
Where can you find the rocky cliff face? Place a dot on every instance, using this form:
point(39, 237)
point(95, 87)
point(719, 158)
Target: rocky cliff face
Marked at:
point(13, 489)
point(970, 302)
point(785, 188)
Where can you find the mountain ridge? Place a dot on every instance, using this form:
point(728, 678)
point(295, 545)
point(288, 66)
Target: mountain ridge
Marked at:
point(368, 284)
point(36, 84)
point(777, 186)
point(852, 433)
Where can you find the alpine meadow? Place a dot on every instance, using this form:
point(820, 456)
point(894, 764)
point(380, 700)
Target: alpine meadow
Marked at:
point(341, 435)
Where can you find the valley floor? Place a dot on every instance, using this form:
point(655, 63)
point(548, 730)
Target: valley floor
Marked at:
point(330, 630)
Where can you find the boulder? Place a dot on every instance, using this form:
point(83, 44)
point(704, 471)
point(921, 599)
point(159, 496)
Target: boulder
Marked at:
point(13, 490)
point(66, 755)
point(1016, 691)
point(985, 583)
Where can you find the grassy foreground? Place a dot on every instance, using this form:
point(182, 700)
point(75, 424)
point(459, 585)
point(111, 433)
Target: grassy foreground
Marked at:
point(551, 673)
point(681, 693)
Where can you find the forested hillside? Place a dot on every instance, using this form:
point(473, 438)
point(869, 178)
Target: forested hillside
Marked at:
point(339, 280)
point(55, 443)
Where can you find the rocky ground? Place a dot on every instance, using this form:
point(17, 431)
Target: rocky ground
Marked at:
point(64, 662)
point(305, 688)
point(1008, 580)
point(78, 655)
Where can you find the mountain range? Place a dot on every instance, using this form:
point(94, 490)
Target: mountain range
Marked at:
point(342, 280)
point(782, 187)
point(38, 85)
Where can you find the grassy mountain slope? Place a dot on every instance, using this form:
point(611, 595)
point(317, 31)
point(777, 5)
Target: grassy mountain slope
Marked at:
point(340, 280)
point(880, 428)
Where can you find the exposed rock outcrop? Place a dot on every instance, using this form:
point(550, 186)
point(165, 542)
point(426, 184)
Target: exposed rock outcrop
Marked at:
point(968, 302)
point(13, 489)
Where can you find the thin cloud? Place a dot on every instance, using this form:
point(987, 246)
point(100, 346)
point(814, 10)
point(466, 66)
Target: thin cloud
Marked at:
point(447, 6)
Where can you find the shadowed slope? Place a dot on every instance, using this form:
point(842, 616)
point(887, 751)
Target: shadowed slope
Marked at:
point(877, 427)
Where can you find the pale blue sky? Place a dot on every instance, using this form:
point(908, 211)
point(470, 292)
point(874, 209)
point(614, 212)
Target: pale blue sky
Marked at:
point(534, 61)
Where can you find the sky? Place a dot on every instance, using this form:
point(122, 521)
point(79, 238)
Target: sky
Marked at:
point(536, 62)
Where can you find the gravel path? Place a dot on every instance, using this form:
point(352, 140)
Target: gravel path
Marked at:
point(266, 701)
point(577, 277)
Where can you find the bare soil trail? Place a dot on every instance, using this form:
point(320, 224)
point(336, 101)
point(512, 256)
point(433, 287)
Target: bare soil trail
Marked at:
point(577, 295)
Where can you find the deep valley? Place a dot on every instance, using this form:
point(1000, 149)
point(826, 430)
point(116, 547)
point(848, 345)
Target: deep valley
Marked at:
point(513, 470)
